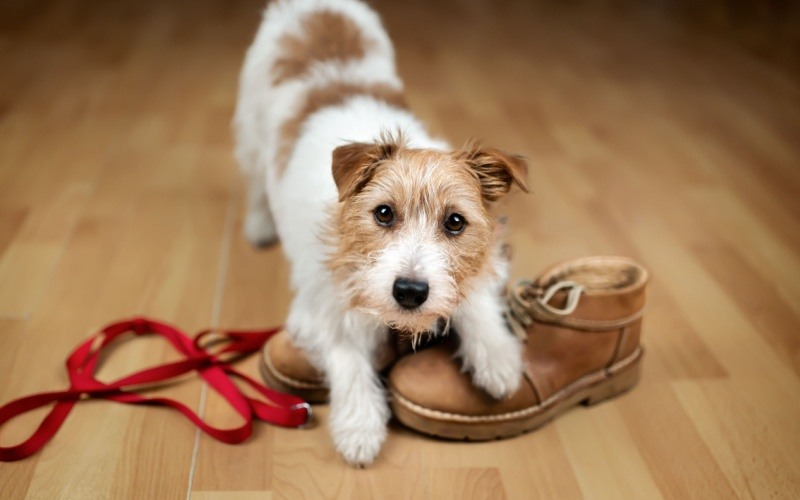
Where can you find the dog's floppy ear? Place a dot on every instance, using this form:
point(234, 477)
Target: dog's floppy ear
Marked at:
point(354, 164)
point(496, 170)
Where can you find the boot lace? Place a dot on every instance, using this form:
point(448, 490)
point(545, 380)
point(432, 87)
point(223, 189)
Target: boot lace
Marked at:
point(529, 300)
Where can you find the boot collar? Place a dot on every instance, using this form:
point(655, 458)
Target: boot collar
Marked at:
point(593, 293)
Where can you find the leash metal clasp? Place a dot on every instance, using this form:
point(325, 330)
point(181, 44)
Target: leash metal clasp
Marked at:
point(310, 420)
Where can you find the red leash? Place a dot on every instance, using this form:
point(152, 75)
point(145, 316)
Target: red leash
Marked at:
point(277, 408)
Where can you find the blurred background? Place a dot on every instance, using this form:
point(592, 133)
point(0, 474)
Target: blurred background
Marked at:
point(668, 131)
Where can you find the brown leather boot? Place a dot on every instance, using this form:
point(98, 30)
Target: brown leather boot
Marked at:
point(286, 368)
point(580, 322)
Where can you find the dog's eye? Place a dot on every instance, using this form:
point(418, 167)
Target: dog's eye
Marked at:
point(384, 215)
point(455, 224)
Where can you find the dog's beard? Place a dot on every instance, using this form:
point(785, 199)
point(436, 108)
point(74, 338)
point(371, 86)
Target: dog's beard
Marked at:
point(367, 285)
point(411, 324)
point(432, 317)
point(439, 328)
point(425, 320)
point(420, 333)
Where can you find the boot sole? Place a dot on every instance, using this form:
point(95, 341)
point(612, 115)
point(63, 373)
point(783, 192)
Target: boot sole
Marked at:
point(590, 389)
point(311, 392)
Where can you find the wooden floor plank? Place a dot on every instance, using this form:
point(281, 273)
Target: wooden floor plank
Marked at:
point(604, 455)
point(662, 430)
point(733, 429)
point(15, 477)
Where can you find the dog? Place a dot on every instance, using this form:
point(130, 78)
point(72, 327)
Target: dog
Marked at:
point(385, 226)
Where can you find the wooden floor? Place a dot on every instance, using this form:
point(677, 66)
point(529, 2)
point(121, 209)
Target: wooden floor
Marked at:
point(666, 133)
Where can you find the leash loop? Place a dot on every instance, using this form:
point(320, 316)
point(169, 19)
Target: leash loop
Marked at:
point(274, 407)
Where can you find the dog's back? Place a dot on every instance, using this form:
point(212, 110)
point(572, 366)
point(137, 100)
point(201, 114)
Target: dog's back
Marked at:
point(319, 73)
point(307, 55)
point(321, 36)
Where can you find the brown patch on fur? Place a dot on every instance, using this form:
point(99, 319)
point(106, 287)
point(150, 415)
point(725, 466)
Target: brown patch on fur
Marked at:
point(325, 36)
point(354, 164)
point(496, 170)
point(332, 95)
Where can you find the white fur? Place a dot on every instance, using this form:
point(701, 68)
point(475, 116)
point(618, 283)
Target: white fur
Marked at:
point(415, 255)
point(343, 342)
point(487, 350)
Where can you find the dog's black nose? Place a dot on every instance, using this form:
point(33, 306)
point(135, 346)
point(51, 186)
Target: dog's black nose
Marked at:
point(410, 294)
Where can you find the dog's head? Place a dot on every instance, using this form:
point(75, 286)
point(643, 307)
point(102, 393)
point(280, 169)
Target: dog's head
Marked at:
point(412, 226)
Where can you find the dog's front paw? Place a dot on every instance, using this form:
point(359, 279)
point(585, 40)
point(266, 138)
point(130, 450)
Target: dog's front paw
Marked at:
point(499, 381)
point(499, 373)
point(359, 446)
point(359, 429)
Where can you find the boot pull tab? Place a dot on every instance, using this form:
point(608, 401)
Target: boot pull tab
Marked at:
point(573, 297)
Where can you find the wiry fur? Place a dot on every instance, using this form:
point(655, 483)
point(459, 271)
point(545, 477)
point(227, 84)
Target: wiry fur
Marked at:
point(310, 125)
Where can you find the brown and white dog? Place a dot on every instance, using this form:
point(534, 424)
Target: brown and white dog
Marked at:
point(385, 226)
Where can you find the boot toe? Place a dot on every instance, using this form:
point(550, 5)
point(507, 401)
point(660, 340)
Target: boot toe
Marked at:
point(432, 381)
point(286, 368)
